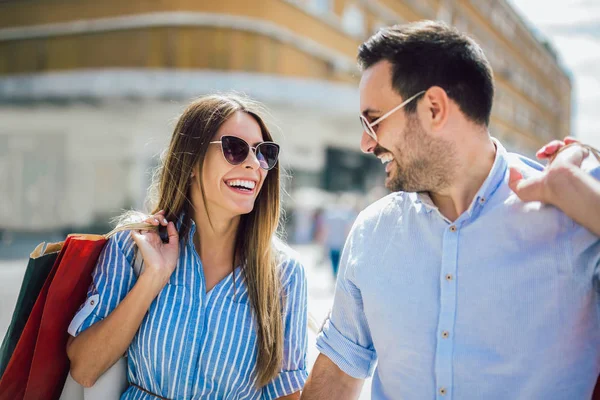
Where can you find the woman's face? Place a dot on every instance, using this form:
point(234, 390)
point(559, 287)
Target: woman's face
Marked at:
point(233, 188)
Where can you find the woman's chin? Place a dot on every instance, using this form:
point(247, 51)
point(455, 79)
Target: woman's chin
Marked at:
point(242, 209)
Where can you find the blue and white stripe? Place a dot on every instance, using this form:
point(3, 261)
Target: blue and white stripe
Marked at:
point(194, 344)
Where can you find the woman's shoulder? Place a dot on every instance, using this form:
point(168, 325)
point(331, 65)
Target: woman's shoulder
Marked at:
point(288, 261)
point(122, 242)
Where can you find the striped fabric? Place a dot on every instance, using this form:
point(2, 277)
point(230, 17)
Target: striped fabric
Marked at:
point(502, 303)
point(194, 344)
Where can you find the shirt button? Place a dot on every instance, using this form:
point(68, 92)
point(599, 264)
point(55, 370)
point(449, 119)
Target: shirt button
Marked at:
point(453, 228)
point(482, 199)
point(443, 391)
point(92, 302)
point(449, 277)
point(445, 334)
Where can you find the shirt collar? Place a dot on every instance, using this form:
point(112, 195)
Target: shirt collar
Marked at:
point(490, 185)
point(192, 231)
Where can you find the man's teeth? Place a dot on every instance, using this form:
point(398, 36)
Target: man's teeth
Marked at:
point(386, 158)
point(249, 185)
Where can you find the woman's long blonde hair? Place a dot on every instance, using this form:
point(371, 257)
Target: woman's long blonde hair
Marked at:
point(170, 191)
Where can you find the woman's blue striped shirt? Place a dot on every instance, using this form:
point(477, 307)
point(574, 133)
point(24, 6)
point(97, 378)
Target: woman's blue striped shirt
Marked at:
point(193, 344)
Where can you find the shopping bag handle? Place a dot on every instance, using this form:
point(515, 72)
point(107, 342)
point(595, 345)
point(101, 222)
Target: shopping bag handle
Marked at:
point(595, 152)
point(162, 230)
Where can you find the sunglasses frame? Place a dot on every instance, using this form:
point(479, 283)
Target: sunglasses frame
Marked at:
point(253, 148)
point(369, 125)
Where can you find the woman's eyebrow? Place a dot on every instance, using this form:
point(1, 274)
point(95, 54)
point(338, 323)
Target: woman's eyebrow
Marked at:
point(239, 137)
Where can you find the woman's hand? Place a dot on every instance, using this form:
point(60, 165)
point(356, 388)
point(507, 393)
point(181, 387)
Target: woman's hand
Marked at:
point(160, 259)
point(575, 155)
point(548, 186)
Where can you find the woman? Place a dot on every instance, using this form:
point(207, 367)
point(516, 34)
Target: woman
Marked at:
point(564, 183)
point(220, 310)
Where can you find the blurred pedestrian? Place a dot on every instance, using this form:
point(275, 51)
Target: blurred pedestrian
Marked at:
point(335, 224)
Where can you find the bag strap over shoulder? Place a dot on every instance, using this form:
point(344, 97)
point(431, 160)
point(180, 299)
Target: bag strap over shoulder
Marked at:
point(138, 262)
point(595, 152)
point(130, 227)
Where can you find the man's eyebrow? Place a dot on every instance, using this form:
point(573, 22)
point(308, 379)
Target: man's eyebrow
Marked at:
point(368, 111)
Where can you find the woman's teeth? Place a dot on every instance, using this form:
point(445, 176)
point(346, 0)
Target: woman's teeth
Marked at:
point(241, 184)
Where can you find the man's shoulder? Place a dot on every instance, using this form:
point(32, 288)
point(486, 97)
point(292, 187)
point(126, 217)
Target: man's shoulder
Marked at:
point(525, 165)
point(388, 206)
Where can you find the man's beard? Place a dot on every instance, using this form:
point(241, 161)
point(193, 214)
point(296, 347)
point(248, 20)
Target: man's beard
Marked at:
point(423, 163)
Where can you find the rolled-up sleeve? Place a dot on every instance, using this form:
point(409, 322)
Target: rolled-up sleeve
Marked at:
point(112, 279)
point(293, 374)
point(345, 338)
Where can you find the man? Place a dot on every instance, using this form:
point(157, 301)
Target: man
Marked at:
point(452, 287)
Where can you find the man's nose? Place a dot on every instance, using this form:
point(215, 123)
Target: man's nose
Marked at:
point(367, 143)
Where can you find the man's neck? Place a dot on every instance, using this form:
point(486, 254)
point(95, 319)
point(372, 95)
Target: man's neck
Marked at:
point(475, 164)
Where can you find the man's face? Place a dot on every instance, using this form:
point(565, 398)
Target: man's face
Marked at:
point(416, 161)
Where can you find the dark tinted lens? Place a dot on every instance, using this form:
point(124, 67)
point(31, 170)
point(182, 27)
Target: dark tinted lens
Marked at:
point(235, 149)
point(267, 154)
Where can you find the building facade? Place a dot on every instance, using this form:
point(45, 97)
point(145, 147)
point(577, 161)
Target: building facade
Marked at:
point(89, 91)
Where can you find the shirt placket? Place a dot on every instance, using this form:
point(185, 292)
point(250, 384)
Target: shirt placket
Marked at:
point(447, 316)
point(197, 320)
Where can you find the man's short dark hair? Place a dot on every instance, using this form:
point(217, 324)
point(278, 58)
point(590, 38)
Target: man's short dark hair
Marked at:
point(427, 53)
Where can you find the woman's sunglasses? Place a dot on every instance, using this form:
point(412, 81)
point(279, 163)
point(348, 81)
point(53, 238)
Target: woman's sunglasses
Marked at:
point(236, 150)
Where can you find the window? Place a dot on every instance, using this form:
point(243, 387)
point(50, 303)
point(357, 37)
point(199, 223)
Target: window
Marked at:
point(523, 117)
point(321, 6)
point(377, 26)
point(353, 20)
point(445, 13)
point(461, 24)
point(503, 22)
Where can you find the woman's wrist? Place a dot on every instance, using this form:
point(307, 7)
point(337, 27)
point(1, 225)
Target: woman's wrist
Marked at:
point(559, 180)
point(152, 281)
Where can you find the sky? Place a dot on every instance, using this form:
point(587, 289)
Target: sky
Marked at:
point(573, 28)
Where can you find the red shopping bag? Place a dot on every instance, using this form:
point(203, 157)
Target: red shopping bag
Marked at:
point(39, 365)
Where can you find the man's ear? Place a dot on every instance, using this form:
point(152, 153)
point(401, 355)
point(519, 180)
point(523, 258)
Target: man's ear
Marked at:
point(438, 107)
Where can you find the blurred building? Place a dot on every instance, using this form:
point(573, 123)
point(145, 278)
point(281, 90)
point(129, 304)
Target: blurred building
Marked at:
point(89, 91)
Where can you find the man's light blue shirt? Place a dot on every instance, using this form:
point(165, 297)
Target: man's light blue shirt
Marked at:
point(502, 303)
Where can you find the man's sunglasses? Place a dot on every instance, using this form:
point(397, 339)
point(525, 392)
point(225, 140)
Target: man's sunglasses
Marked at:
point(236, 150)
point(368, 127)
